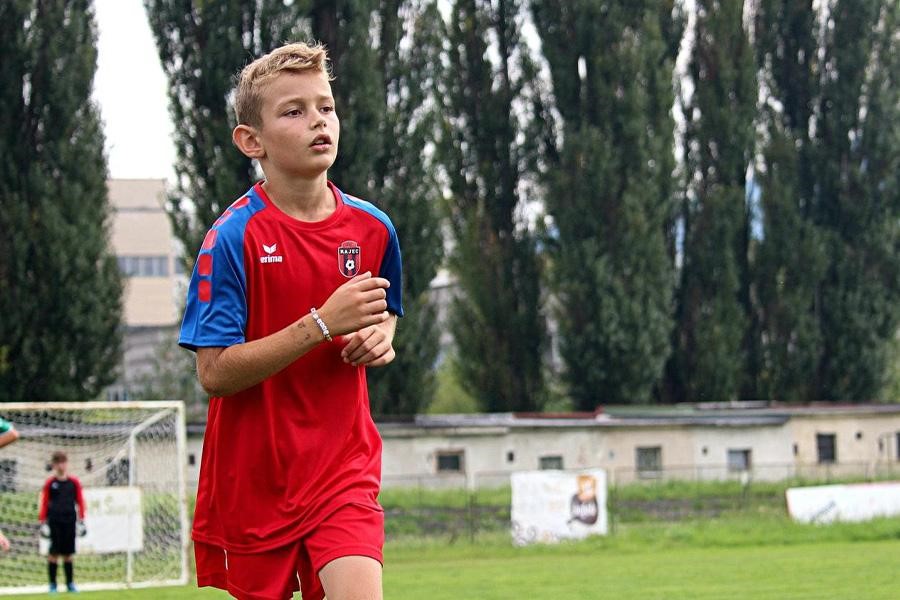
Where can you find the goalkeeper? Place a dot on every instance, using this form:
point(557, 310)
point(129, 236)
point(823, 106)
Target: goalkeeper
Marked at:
point(61, 493)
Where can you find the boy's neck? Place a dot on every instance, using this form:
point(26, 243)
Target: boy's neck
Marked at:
point(304, 199)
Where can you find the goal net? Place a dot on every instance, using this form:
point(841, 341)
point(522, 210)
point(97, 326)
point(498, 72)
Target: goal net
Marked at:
point(130, 459)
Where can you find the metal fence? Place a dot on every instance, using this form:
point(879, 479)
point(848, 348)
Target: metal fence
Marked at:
point(465, 506)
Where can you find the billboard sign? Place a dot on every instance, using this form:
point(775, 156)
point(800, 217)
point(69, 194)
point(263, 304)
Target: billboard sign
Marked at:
point(548, 506)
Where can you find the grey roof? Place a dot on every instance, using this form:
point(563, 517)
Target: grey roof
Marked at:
point(684, 415)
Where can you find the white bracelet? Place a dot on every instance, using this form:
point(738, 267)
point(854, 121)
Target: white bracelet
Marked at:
point(320, 323)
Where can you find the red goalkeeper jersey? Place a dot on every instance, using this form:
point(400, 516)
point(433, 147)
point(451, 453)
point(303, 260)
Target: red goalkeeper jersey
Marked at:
point(281, 456)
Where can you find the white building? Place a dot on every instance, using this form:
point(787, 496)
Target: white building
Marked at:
point(635, 444)
point(147, 252)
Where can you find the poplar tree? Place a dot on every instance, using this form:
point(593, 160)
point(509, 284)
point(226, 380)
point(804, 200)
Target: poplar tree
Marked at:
point(60, 287)
point(202, 46)
point(380, 89)
point(408, 188)
point(791, 256)
point(610, 192)
point(831, 164)
point(489, 152)
point(714, 312)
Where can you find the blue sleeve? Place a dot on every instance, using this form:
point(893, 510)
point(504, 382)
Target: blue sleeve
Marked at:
point(215, 314)
point(392, 270)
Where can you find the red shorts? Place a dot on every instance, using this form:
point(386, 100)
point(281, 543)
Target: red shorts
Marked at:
point(351, 530)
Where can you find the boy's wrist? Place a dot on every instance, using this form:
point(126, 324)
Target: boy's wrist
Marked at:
point(320, 323)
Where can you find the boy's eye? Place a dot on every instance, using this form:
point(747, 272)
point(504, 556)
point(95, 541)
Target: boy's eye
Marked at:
point(327, 109)
point(294, 112)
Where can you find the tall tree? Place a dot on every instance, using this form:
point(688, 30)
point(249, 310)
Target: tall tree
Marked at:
point(382, 92)
point(857, 197)
point(490, 154)
point(831, 165)
point(790, 255)
point(60, 287)
point(714, 310)
point(202, 45)
point(610, 192)
point(407, 187)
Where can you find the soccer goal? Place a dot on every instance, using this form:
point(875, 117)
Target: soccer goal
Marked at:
point(130, 458)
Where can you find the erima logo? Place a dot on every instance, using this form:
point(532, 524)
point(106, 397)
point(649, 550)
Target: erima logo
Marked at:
point(270, 250)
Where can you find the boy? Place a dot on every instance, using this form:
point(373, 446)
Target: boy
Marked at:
point(61, 493)
point(284, 314)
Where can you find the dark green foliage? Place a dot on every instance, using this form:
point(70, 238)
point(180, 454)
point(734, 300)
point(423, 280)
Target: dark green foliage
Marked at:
point(714, 309)
point(489, 152)
point(829, 299)
point(379, 92)
point(610, 192)
point(60, 288)
point(202, 46)
point(407, 188)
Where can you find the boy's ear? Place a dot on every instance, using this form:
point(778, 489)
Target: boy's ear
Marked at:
point(247, 140)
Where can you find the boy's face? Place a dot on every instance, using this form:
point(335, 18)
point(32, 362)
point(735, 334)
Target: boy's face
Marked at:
point(300, 129)
point(61, 467)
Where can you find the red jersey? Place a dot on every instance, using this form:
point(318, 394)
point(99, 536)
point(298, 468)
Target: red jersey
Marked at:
point(59, 499)
point(282, 455)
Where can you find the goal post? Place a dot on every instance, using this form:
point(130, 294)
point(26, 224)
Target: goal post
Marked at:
point(131, 459)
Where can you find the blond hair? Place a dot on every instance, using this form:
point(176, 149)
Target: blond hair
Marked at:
point(293, 58)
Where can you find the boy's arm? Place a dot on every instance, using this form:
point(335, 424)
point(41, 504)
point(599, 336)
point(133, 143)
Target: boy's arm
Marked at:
point(45, 502)
point(8, 433)
point(372, 346)
point(79, 498)
point(9, 437)
point(357, 304)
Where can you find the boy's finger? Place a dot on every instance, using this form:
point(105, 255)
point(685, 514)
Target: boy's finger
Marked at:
point(355, 342)
point(368, 350)
point(370, 283)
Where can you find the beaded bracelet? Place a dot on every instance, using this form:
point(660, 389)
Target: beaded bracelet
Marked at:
point(320, 323)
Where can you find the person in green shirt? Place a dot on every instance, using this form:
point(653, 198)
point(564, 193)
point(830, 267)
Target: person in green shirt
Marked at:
point(8, 433)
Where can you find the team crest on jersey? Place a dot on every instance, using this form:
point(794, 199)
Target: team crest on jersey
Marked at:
point(349, 259)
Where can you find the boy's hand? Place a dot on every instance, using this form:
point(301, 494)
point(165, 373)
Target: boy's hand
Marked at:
point(4, 543)
point(371, 346)
point(45, 530)
point(357, 304)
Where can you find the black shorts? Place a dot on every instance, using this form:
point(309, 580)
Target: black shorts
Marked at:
point(62, 537)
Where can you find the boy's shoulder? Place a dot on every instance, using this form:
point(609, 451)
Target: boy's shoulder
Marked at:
point(231, 224)
point(370, 209)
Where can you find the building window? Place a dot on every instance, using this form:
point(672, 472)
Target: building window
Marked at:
point(510, 456)
point(826, 447)
point(450, 462)
point(192, 459)
point(649, 461)
point(546, 463)
point(144, 266)
point(739, 460)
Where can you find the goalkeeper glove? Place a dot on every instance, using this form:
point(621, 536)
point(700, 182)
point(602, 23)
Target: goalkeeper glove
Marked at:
point(81, 529)
point(45, 531)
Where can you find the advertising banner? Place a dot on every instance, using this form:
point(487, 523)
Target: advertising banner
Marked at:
point(548, 506)
point(852, 502)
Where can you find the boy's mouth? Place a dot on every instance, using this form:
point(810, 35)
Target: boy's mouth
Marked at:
point(321, 141)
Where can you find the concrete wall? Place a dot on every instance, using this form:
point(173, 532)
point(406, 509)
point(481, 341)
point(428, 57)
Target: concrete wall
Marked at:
point(689, 452)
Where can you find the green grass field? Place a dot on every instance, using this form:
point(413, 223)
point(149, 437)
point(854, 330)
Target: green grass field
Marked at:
point(740, 557)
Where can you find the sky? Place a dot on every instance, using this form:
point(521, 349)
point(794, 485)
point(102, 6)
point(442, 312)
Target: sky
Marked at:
point(130, 88)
